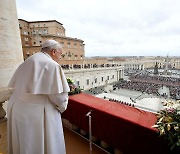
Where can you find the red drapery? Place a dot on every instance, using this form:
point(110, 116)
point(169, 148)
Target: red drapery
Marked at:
point(124, 127)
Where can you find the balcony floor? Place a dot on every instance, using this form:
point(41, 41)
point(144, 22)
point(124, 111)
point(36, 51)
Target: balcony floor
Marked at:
point(75, 144)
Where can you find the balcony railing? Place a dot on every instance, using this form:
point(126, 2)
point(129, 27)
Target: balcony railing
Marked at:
point(117, 128)
point(120, 126)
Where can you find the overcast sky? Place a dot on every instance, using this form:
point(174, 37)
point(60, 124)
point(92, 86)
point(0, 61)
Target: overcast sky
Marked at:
point(113, 27)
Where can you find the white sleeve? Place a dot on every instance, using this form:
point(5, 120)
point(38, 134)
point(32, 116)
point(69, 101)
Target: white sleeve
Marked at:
point(59, 100)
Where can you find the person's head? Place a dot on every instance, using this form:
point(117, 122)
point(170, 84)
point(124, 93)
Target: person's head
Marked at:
point(53, 48)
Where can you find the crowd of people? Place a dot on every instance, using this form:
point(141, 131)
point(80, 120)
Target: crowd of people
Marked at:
point(119, 101)
point(148, 87)
point(168, 81)
point(86, 66)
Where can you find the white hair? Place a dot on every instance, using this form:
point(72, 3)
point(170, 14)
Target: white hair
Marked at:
point(49, 48)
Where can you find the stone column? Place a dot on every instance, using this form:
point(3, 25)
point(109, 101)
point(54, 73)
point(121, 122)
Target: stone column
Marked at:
point(117, 75)
point(10, 48)
point(10, 42)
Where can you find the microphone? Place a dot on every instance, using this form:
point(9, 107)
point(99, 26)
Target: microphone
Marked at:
point(88, 114)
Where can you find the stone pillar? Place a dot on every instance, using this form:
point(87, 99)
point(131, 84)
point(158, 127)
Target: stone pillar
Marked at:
point(10, 57)
point(120, 75)
point(117, 75)
point(10, 42)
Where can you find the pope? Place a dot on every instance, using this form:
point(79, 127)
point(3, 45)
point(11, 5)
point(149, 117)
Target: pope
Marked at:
point(39, 97)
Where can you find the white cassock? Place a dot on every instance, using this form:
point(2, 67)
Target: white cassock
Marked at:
point(34, 124)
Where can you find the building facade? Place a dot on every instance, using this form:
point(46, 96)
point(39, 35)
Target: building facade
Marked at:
point(35, 32)
point(95, 77)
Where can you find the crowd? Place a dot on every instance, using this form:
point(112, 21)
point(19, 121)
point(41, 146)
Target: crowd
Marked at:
point(148, 87)
point(87, 66)
point(119, 101)
point(168, 81)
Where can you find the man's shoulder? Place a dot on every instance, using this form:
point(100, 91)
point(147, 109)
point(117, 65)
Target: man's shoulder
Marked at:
point(41, 61)
point(42, 58)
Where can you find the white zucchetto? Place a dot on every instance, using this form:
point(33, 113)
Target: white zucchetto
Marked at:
point(49, 43)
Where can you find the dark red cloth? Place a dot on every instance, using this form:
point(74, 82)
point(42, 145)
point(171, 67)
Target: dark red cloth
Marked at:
point(121, 126)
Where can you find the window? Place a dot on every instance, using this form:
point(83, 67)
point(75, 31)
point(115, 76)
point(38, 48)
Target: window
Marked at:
point(26, 39)
point(63, 55)
point(25, 33)
point(102, 78)
point(95, 80)
point(81, 45)
point(45, 31)
point(78, 83)
point(75, 56)
point(34, 42)
point(69, 54)
point(112, 76)
point(68, 45)
point(34, 32)
point(62, 44)
point(87, 81)
point(27, 53)
point(107, 77)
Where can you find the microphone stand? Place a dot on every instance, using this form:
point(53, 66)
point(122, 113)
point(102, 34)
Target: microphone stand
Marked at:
point(90, 131)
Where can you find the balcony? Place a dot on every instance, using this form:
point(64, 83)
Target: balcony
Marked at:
point(75, 144)
point(120, 126)
point(116, 128)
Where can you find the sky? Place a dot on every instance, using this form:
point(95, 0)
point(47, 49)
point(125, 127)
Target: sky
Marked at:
point(113, 27)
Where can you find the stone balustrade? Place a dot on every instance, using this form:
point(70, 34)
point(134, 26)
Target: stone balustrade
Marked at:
point(5, 94)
